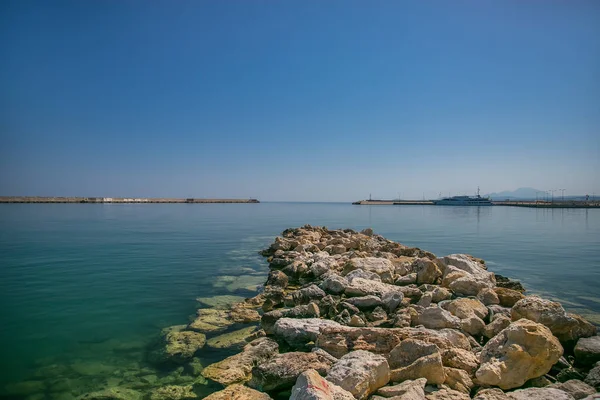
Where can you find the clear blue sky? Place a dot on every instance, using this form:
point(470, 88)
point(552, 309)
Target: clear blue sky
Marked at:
point(298, 100)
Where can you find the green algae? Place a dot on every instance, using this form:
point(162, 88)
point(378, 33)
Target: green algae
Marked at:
point(221, 302)
point(235, 339)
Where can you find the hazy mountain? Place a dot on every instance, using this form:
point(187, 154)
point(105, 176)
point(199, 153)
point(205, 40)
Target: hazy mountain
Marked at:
point(520, 193)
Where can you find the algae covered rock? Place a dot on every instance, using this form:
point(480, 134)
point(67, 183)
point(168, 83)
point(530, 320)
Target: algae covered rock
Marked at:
point(210, 320)
point(360, 373)
point(237, 338)
point(222, 302)
point(173, 393)
point(178, 347)
point(523, 351)
point(113, 393)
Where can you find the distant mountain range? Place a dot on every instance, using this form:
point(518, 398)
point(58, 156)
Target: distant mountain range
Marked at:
point(527, 193)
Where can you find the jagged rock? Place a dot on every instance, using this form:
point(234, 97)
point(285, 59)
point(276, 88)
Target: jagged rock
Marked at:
point(488, 296)
point(338, 341)
point(497, 310)
point(593, 377)
point(334, 284)
point(425, 300)
point(414, 359)
point(447, 394)
point(377, 315)
point(391, 301)
point(566, 327)
point(407, 390)
point(281, 371)
point(308, 294)
point(504, 282)
point(238, 392)
point(357, 321)
point(466, 307)
point(440, 294)
point(576, 388)
point(496, 326)
point(113, 393)
point(365, 287)
point(587, 350)
point(173, 392)
point(465, 276)
point(508, 297)
point(427, 271)
point(459, 358)
point(360, 373)
point(269, 319)
point(297, 332)
point(491, 394)
point(472, 325)
point(539, 394)
point(361, 273)
point(277, 278)
point(523, 351)
point(365, 302)
point(178, 347)
point(237, 368)
point(237, 338)
point(381, 266)
point(436, 318)
point(311, 386)
point(458, 380)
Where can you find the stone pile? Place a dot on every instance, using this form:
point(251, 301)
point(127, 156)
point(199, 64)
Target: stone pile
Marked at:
point(352, 315)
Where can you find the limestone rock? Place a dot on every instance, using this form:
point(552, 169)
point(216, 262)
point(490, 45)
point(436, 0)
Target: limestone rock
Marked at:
point(365, 302)
point(297, 332)
point(361, 273)
point(311, 386)
point(210, 320)
point(496, 326)
point(237, 368)
point(460, 358)
point(458, 380)
point(360, 373)
point(268, 320)
point(447, 394)
point(436, 318)
point(491, 394)
point(427, 271)
point(173, 393)
point(466, 307)
point(587, 350)
point(408, 279)
point(281, 371)
point(440, 294)
point(410, 350)
point(365, 287)
point(179, 347)
point(407, 390)
point(488, 296)
point(381, 266)
point(277, 278)
point(508, 297)
point(334, 284)
point(234, 339)
point(238, 392)
point(566, 327)
point(523, 351)
point(593, 377)
point(428, 367)
point(465, 276)
point(308, 294)
point(576, 388)
point(539, 394)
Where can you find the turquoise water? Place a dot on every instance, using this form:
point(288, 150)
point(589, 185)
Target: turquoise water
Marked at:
point(85, 287)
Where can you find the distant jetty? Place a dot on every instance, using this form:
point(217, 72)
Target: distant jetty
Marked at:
point(28, 199)
point(519, 203)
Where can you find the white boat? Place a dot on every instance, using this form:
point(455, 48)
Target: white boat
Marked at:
point(464, 201)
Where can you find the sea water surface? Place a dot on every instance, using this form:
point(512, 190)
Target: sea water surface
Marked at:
point(85, 288)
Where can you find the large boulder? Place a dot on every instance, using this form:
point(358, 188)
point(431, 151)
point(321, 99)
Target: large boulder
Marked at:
point(436, 318)
point(460, 358)
point(414, 359)
point(334, 284)
point(360, 373)
point(508, 297)
point(523, 351)
point(281, 371)
point(238, 392)
point(237, 368)
point(467, 307)
point(312, 386)
point(539, 394)
point(427, 271)
point(381, 266)
point(587, 350)
point(268, 320)
point(365, 287)
point(465, 276)
point(566, 327)
point(297, 332)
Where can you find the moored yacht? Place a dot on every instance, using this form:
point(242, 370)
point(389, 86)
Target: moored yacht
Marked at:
point(464, 201)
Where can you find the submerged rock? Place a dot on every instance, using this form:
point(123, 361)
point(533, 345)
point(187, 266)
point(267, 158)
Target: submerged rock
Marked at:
point(173, 393)
point(234, 339)
point(523, 351)
point(222, 302)
point(113, 393)
point(178, 347)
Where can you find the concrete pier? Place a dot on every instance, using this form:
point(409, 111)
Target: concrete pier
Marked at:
point(120, 200)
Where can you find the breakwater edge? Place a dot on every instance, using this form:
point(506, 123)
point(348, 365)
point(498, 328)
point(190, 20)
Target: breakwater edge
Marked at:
point(396, 314)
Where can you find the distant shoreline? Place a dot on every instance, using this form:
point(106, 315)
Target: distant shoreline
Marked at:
point(117, 200)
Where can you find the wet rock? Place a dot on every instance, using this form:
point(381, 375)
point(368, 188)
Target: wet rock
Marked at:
point(508, 297)
point(360, 373)
point(407, 390)
point(539, 394)
point(281, 371)
point(238, 392)
point(240, 313)
point(460, 358)
point(311, 386)
point(334, 284)
point(496, 326)
point(237, 368)
point(178, 347)
point(587, 350)
point(427, 271)
point(436, 318)
point(576, 388)
point(414, 359)
point(458, 380)
point(523, 351)
point(237, 338)
point(297, 332)
point(173, 393)
point(210, 320)
point(566, 327)
point(593, 377)
point(113, 393)
point(504, 282)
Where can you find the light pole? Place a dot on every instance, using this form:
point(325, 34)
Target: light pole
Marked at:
point(562, 194)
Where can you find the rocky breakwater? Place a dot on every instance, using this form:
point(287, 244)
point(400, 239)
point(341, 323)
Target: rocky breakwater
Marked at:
point(351, 315)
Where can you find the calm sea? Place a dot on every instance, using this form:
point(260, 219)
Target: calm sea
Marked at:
point(84, 287)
